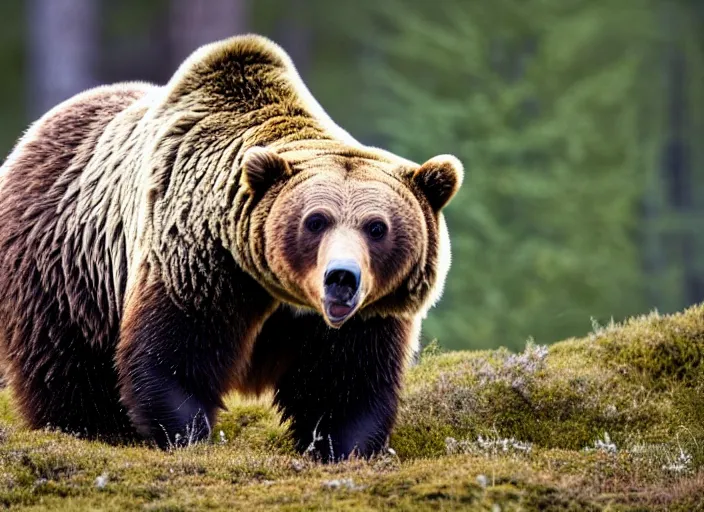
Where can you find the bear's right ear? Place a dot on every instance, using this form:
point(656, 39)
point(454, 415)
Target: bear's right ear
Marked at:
point(261, 168)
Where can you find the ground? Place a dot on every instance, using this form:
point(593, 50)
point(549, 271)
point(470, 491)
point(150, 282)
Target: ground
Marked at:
point(612, 421)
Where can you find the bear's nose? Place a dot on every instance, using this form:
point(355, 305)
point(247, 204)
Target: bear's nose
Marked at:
point(342, 278)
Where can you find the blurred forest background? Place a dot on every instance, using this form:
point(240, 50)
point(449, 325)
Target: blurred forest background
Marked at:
point(580, 123)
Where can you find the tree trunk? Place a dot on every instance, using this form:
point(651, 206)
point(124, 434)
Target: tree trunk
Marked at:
point(63, 44)
point(677, 169)
point(294, 35)
point(198, 22)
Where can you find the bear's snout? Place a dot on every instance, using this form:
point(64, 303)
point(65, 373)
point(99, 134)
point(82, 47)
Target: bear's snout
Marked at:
point(342, 290)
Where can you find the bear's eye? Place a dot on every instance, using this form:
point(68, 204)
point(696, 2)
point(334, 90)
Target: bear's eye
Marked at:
point(316, 223)
point(377, 230)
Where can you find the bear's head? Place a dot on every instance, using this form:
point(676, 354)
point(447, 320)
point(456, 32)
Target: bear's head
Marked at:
point(349, 231)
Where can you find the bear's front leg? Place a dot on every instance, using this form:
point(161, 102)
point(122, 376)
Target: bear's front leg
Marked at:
point(341, 392)
point(175, 365)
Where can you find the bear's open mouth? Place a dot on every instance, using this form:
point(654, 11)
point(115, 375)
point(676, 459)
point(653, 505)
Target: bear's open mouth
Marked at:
point(341, 290)
point(337, 311)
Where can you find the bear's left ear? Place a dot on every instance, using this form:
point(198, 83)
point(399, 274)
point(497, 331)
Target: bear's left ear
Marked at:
point(262, 167)
point(439, 179)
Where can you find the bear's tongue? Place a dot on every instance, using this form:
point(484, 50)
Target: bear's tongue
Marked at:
point(339, 310)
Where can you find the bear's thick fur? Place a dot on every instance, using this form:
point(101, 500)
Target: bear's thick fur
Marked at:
point(162, 246)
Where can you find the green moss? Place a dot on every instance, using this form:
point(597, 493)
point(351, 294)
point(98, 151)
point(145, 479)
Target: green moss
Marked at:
point(421, 440)
point(253, 424)
point(639, 382)
point(611, 421)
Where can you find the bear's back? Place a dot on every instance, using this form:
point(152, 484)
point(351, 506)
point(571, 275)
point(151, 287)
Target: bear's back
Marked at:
point(52, 142)
point(41, 224)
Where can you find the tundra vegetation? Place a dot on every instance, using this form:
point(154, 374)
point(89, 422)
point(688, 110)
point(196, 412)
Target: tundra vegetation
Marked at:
point(614, 421)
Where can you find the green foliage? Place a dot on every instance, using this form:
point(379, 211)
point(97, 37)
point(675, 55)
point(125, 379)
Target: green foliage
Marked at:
point(560, 110)
point(13, 79)
point(545, 103)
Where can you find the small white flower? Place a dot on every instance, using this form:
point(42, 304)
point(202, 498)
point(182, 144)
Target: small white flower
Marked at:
point(346, 483)
point(682, 463)
point(604, 445)
point(101, 481)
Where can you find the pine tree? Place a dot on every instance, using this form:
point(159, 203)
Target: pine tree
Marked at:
point(552, 107)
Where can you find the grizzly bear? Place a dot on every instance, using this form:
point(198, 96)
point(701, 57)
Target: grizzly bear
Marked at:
point(163, 246)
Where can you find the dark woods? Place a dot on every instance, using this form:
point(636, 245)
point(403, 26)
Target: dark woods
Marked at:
point(579, 123)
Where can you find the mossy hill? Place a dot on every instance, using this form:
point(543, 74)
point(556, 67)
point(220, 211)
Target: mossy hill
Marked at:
point(612, 421)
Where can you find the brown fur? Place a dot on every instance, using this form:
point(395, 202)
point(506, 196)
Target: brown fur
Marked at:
point(159, 228)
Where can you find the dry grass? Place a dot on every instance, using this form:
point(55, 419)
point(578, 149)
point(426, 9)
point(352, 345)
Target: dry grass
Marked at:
point(614, 421)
